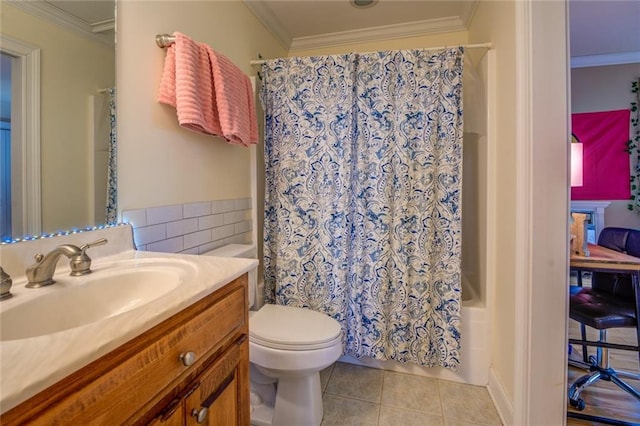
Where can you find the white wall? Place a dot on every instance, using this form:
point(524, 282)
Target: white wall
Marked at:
point(527, 223)
point(160, 163)
point(607, 88)
point(495, 22)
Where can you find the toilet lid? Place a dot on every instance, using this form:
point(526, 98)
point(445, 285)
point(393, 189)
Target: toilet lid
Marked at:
point(291, 328)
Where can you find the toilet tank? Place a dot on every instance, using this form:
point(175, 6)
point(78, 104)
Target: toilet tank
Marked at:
point(245, 251)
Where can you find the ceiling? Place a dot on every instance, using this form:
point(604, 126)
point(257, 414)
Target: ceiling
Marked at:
point(598, 28)
point(604, 29)
point(310, 23)
point(92, 18)
point(602, 32)
point(92, 12)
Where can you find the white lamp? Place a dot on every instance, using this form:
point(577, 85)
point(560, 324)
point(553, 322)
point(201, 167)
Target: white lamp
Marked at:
point(576, 163)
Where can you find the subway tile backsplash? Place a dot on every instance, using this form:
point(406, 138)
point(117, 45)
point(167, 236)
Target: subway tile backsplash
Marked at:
point(192, 228)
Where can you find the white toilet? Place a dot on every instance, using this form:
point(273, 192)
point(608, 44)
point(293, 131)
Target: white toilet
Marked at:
point(287, 348)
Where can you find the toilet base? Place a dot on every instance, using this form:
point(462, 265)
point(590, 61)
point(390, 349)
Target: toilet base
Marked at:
point(261, 415)
point(298, 402)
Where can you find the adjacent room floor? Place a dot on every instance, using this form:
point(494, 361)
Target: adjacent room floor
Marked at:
point(355, 395)
point(604, 398)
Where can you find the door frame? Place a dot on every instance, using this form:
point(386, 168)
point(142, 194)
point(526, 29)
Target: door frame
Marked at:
point(25, 136)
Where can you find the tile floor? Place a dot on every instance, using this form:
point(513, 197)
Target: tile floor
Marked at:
point(356, 395)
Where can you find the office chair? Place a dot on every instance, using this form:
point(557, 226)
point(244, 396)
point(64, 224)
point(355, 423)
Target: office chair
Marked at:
point(610, 302)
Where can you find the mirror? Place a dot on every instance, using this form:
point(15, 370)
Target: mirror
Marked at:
point(58, 127)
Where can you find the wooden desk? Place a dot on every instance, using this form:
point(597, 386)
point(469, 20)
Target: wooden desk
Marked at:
point(602, 258)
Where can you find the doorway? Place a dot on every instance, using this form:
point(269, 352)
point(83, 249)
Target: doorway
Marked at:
point(20, 213)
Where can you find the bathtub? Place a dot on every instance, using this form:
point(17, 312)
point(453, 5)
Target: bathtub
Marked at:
point(475, 359)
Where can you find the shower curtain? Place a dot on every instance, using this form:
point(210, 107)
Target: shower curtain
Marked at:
point(363, 167)
point(112, 184)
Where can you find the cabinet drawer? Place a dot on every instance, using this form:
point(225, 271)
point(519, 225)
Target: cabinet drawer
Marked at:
point(131, 376)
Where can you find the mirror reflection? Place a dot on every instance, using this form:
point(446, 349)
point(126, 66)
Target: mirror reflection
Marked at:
point(57, 116)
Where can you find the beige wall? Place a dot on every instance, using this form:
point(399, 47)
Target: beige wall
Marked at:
point(494, 22)
point(528, 206)
point(159, 162)
point(208, 169)
point(72, 69)
point(606, 88)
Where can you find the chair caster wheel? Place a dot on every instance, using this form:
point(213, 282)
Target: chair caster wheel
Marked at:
point(579, 403)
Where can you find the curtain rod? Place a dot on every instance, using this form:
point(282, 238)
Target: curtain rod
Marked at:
point(487, 45)
point(166, 40)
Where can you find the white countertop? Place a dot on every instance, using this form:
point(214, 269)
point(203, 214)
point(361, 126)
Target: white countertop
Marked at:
point(30, 365)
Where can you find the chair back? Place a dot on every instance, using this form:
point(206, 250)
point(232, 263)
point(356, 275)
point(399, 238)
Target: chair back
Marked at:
point(625, 241)
point(614, 238)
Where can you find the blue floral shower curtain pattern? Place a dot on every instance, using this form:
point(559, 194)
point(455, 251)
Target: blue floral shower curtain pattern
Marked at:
point(364, 222)
point(309, 107)
point(112, 183)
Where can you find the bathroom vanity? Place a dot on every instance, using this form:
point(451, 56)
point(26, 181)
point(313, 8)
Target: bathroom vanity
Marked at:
point(181, 358)
point(192, 366)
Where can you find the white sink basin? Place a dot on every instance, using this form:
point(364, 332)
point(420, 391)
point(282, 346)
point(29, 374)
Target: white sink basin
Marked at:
point(77, 301)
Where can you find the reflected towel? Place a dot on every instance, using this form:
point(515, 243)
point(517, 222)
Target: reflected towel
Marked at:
point(210, 94)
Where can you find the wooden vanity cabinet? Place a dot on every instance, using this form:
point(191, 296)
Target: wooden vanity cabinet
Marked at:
point(215, 397)
point(191, 367)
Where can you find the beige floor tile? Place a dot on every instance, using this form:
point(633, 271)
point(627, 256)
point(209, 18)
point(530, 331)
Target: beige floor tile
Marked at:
point(451, 422)
point(413, 392)
point(324, 376)
point(355, 381)
point(392, 416)
point(467, 403)
point(340, 411)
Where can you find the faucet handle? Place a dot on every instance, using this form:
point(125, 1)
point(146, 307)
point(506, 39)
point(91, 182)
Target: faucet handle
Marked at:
point(81, 263)
point(5, 285)
point(100, 242)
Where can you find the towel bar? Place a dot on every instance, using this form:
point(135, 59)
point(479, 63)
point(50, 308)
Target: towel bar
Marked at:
point(165, 40)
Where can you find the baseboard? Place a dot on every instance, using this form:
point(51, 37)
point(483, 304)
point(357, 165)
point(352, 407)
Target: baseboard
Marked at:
point(501, 400)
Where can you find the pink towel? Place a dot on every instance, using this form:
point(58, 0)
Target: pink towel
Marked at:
point(210, 94)
point(234, 98)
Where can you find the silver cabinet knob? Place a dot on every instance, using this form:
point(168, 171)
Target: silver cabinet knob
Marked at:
point(201, 414)
point(187, 358)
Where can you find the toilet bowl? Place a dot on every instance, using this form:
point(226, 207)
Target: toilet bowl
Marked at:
point(288, 347)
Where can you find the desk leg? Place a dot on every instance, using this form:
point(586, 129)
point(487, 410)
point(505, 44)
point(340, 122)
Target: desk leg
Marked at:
point(635, 279)
point(583, 328)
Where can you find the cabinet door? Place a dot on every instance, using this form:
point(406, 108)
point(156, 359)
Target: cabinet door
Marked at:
point(217, 398)
point(173, 415)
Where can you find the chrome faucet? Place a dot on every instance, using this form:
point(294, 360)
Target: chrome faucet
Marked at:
point(41, 273)
point(5, 285)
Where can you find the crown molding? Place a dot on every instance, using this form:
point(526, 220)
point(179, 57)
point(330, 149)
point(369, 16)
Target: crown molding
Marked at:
point(103, 26)
point(469, 9)
point(270, 21)
point(48, 12)
point(621, 58)
point(386, 32)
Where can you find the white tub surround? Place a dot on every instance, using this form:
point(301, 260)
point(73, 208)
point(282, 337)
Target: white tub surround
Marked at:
point(30, 365)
